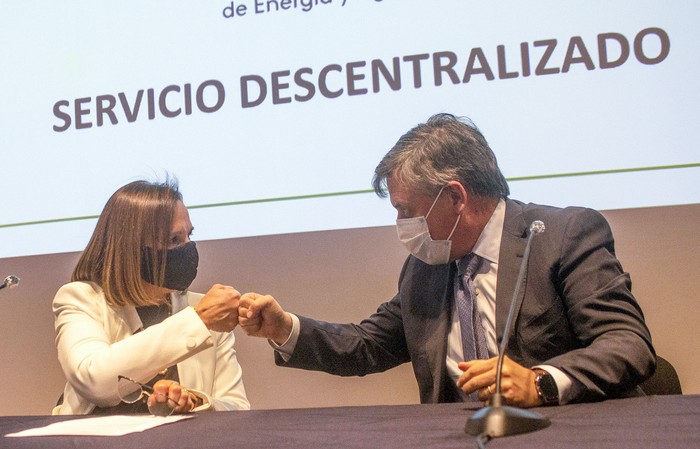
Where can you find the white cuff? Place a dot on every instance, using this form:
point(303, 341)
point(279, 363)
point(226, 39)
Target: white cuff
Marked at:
point(565, 384)
point(286, 349)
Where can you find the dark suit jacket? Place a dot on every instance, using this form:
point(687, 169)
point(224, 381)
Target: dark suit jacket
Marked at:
point(575, 312)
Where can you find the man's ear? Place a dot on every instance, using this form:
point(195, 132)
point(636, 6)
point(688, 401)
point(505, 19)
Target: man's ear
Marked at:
point(458, 195)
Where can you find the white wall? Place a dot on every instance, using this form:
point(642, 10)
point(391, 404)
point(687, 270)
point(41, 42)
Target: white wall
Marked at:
point(343, 276)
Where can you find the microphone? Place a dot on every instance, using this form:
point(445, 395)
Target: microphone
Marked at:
point(498, 420)
point(10, 281)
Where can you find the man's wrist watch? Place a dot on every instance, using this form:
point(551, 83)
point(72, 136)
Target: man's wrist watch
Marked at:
point(546, 387)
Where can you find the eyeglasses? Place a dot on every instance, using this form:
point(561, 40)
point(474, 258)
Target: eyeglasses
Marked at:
point(131, 391)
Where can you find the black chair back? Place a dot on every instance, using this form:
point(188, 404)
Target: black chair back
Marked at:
point(663, 381)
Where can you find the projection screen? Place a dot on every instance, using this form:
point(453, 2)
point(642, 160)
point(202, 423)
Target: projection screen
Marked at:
point(273, 114)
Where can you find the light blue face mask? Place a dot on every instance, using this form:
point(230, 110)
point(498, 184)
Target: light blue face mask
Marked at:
point(415, 236)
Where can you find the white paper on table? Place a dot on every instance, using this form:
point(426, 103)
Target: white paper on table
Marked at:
point(114, 425)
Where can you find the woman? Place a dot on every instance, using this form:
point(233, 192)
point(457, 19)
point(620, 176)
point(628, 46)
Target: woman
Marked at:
point(137, 267)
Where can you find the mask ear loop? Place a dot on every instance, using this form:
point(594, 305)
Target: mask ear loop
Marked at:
point(454, 227)
point(434, 201)
point(433, 205)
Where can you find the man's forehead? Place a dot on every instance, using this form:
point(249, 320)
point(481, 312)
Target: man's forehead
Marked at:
point(401, 194)
point(398, 191)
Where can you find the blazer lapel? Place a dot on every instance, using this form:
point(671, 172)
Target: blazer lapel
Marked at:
point(513, 242)
point(438, 353)
point(430, 309)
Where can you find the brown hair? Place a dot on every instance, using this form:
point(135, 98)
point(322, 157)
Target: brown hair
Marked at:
point(137, 218)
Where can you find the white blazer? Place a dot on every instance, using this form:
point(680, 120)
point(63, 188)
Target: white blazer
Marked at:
point(96, 343)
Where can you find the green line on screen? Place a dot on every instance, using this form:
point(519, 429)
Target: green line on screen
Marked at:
point(285, 198)
point(604, 172)
point(361, 192)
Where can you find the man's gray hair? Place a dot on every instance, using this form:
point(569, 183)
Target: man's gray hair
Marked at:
point(445, 148)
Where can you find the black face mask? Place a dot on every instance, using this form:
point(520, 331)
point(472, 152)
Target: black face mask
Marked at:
point(180, 266)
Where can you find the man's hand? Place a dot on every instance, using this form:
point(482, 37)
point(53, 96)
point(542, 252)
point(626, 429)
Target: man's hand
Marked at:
point(218, 309)
point(517, 382)
point(262, 316)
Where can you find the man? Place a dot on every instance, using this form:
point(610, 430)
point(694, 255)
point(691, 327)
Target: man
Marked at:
point(579, 334)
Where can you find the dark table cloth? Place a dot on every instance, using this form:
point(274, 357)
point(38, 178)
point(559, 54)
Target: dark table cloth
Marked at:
point(647, 422)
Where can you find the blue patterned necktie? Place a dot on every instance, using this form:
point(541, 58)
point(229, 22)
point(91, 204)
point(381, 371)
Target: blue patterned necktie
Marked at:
point(473, 336)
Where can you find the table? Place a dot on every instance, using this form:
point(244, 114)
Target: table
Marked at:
point(645, 422)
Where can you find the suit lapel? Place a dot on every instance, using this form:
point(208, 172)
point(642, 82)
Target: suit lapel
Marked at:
point(513, 241)
point(438, 353)
point(430, 309)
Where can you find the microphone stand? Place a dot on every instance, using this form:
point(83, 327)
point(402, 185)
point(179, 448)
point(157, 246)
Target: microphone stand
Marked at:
point(498, 420)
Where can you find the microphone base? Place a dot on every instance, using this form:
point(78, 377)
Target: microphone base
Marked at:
point(500, 421)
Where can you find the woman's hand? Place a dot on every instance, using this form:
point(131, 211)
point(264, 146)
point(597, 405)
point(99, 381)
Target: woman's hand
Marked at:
point(177, 396)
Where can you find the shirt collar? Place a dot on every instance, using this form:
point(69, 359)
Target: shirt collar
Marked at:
point(488, 244)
